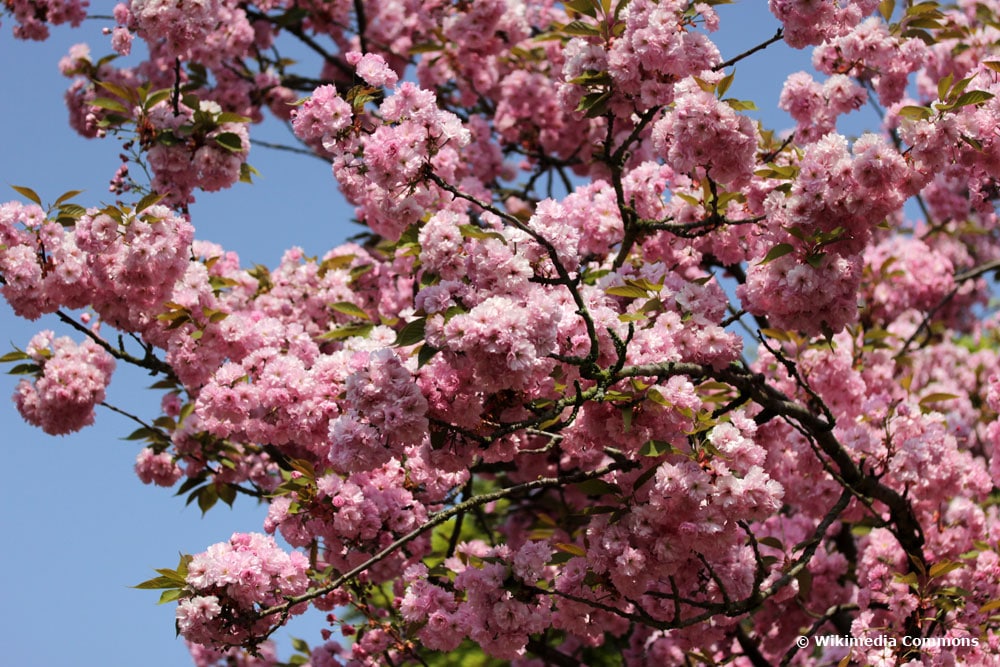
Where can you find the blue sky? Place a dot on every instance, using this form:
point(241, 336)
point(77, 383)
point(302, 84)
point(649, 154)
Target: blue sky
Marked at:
point(79, 528)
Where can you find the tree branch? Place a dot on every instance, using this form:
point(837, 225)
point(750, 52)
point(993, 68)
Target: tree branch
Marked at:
point(436, 520)
point(749, 52)
point(150, 361)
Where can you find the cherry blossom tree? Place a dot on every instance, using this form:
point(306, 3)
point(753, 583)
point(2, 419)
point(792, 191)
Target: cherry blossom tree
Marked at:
point(615, 375)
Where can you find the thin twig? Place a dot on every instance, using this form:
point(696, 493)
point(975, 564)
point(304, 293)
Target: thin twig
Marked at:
point(434, 521)
point(149, 362)
point(760, 47)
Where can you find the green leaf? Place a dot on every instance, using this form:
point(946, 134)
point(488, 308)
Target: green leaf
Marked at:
point(772, 542)
point(705, 85)
point(229, 117)
point(291, 17)
point(972, 97)
point(929, 7)
point(300, 645)
point(815, 259)
point(628, 412)
point(776, 334)
point(989, 606)
point(959, 88)
point(943, 568)
point(247, 173)
point(654, 448)
point(581, 29)
point(928, 22)
point(425, 354)
point(741, 105)
point(28, 193)
point(993, 65)
point(425, 47)
point(120, 91)
point(886, 8)
point(586, 7)
point(412, 333)
point(207, 497)
point(593, 78)
point(777, 251)
point(109, 104)
point(157, 583)
point(73, 211)
point(150, 199)
point(16, 355)
point(347, 331)
point(936, 397)
point(631, 291)
point(975, 143)
point(227, 492)
point(572, 549)
point(785, 172)
point(724, 84)
point(154, 98)
point(170, 595)
point(916, 113)
point(348, 308)
point(594, 104)
point(230, 141)
point(334, 263)
point(474, 232)
point(25, 369)
point(214, 316)
point(944, 85)
point(142, 433)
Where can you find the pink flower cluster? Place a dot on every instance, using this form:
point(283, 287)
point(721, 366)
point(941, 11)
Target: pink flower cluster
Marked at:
point(233, 580)
point(34, 16)
point(482, 607)
point(825, 221)
point(71, 381)
point(546, 311)
point(133, 262)
point(657, 49)
point(322, 117)
point(157, 468)
point(906, 274)
point(704, 132)
point(206, 656)
point(806, 22)
point(506, 340)
point(381, 171)
point(869, 52)
point(202, 30)
point(354, 516)
point(209, 160)
point(41, 265)
point(385, 413)
point(814, 107)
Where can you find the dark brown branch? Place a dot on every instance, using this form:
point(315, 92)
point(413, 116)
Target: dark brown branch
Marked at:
point(150, 361)
point(960, 278)
point(750, 650)
point(586, 363)
point(434, 521)
point(903, 524)
point(691, 230)
point(359, 12)
point(289, 149)
point(760, 47)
